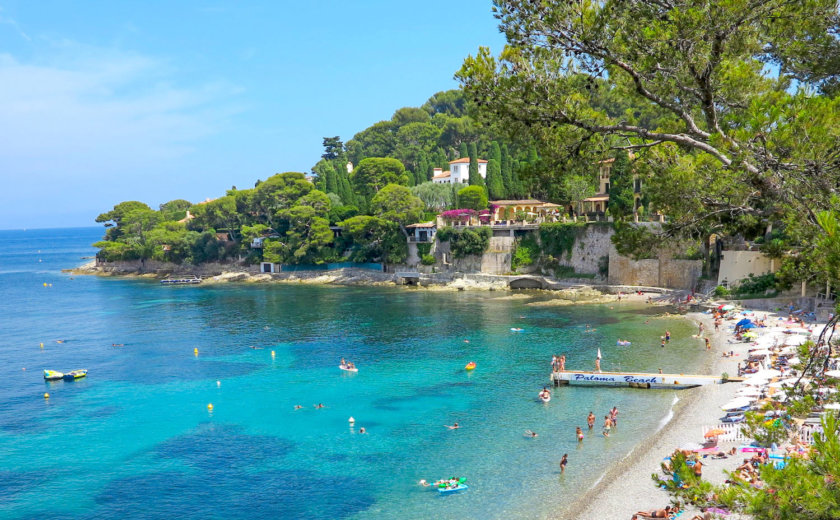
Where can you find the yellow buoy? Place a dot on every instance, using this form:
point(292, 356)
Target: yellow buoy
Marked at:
point(210, 406)
point(272, 353)
point(46, 395)
point(195, 351)
point(42, 345)
point(45, 284)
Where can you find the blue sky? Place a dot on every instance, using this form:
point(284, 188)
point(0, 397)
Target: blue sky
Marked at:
point(105, 101)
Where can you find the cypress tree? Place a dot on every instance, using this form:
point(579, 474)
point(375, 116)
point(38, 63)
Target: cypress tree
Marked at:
point(463, 150)
point(475, 176)
point(423, 172)
point(495, 184)
point(495, 153)
point(331, 184)
point(507, 174)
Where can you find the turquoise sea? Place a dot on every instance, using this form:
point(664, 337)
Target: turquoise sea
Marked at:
point(135, 439)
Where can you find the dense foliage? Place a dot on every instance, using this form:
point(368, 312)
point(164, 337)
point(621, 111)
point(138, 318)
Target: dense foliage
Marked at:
point(468, 241)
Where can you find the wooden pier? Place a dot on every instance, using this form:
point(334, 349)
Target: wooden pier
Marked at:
point(633, 379)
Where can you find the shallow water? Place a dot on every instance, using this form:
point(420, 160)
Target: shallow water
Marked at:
point(135, 439)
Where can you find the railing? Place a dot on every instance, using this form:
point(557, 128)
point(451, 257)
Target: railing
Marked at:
point(731, 432)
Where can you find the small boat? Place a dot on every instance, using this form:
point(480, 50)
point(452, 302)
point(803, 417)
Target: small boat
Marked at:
point(348, 368)
point(459, 487)
point(470, 366)
point(75, 374)
point(53, 375)
point(516, 329)
point(545, 396)
point(623, 343)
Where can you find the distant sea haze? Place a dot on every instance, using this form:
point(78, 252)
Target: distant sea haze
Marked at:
point(136, 438)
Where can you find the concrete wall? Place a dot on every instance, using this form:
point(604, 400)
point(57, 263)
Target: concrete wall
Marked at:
point(737, 265)
point(163, 268)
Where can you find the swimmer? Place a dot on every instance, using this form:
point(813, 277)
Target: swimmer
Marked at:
point(563, 462)
point(298, 407)
point(466, 341)
point(117, 344)
point(453, 427)
point(424, 483)
point(319, 406)
point(362, 430)
point(579, 434)
point(529, 433)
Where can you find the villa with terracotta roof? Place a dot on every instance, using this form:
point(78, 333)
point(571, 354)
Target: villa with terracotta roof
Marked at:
point(459, 171)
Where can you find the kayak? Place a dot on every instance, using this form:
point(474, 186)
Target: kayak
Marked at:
point(348, 369)
point(459, 487)
point(623, 343)
point(470, 366)
point(75, 374)
point(53, 375)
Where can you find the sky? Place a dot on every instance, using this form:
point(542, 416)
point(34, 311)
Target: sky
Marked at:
point(103, 101)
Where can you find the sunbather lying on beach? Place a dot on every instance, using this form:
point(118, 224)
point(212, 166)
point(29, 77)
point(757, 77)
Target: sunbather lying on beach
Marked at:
point(655, 513)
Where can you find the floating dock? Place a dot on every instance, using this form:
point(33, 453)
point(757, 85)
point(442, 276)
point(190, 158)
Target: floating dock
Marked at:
point(186, 280)
point(633, 379)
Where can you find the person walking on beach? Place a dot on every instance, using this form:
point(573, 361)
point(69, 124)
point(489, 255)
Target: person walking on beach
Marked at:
point(579, 434)
point(700, 329)
point(563, 462)
point(607, 426)
point(591, 420)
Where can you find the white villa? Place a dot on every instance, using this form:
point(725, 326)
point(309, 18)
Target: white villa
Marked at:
point(459, 171)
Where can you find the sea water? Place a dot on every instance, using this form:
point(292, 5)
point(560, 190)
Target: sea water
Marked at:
point(136, 439)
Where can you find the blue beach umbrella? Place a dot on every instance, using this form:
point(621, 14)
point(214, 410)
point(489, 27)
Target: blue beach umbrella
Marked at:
point(749, 326)
point(743, 322)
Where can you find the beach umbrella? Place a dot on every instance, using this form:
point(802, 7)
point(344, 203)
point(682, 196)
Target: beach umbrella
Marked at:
point(832, 406)
point(749, 391)
point(743, 322)
point(766, 373)
point(788, 382)
point(749, 325)
point(714, 432)
point(760, 352)
point(832, 373)
point(749, 335)
point(738, 402)
point(727, 307)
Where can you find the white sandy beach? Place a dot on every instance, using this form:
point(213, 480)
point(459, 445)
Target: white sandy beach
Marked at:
point(628, 487)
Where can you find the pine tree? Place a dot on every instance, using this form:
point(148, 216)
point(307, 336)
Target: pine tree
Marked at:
point(495, 184)
point(463, 150)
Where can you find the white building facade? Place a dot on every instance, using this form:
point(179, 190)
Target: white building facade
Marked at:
point(459, 171)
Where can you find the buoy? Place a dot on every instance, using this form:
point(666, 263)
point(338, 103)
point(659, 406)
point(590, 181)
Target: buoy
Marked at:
point(46, 395)
point(195, 351)
point(272, 353)
point(42, 345)
point(210, 406)
point(219, 383)
point(351, 420)
point(45, 284)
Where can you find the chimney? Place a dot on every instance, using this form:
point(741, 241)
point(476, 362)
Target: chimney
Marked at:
point(436, 171)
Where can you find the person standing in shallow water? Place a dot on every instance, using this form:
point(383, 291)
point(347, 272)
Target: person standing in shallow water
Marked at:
point(667, 336)
point(563, 462)
point(591, 420)
point(579, 434)
point(708, 344)
point(607, 425)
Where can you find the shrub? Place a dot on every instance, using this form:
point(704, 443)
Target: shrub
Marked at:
point(558, 238)
point(526, 251)
point(428, 260)
point(756, 285)
point(473, 197)
point(721, 292)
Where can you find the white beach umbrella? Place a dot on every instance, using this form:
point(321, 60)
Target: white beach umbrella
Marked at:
point(748, 391)
point(766, 373)
point(793, 360)
point(832, 373)
point(758, 381)
point(832, 406)
point(788, 382)
point(824, 391)
point(760, 352)
point(738, 402)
